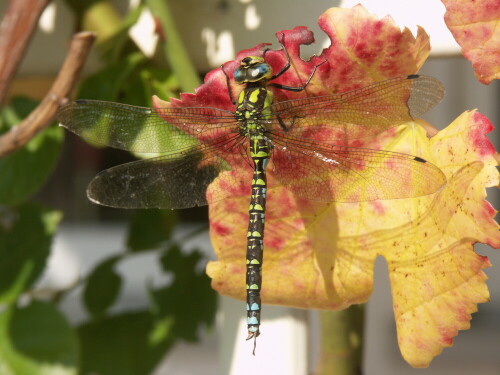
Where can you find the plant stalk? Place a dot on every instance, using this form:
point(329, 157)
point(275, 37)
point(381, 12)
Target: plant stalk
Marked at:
point(341, 348)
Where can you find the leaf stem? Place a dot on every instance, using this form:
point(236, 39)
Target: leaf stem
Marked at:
point(341, 348)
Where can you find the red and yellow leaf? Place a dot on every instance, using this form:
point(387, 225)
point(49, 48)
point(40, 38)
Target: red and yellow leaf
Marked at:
point(476, 27)
point(321, 255)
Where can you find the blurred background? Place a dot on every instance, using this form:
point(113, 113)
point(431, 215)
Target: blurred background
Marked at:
point(128, 64)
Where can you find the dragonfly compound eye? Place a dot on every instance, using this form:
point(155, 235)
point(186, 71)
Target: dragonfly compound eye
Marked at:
point(240, 75)
point(259, 72)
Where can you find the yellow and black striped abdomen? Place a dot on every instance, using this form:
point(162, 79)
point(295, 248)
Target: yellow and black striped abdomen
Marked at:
point(260, 149)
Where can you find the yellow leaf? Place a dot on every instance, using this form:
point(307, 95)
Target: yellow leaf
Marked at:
point(321, 255)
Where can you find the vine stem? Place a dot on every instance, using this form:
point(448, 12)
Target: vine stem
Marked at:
point(45, 112)
point(341, 348)
point(16, 29)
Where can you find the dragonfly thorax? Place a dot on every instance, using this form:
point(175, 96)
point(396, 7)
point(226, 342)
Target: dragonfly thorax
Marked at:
point(252, 109)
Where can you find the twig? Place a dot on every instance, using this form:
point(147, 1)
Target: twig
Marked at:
point(43, 115)
point(16, 30)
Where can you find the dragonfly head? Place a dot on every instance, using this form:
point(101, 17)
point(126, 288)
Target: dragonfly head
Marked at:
point(252, 69)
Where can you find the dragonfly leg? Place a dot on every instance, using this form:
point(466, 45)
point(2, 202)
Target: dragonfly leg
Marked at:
point(287, 66)
point(228, 81)
point(300, 88)
point(284, 126)
point(264, 53)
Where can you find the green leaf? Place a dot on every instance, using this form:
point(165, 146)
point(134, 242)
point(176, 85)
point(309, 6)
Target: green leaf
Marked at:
point(150, 228)
point(107, 83)
point(128, 344)
point(27, 169)
point(189, 300)
point(135, 90)
point(160, 82)
point(25, 238)
point(103, 287)
point(36, 340)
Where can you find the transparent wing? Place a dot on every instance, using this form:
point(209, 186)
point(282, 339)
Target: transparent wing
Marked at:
point(323, 172)
point(168, 181)
point(359, 113)
point(140, 129)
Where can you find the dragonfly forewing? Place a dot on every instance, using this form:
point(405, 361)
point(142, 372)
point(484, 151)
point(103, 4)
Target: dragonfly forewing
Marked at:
point(359, 113)
point(145, 130)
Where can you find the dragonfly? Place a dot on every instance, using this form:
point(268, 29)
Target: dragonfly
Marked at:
point(303, 138)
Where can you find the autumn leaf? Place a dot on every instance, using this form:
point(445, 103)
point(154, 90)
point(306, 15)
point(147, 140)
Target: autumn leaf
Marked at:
point(475, 26)
point(436, 277)
point(321, 255)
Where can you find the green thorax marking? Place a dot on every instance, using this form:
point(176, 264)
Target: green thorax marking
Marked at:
point(252, 108)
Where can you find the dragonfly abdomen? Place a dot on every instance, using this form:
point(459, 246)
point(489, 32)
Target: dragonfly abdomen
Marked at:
point(260, 149)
